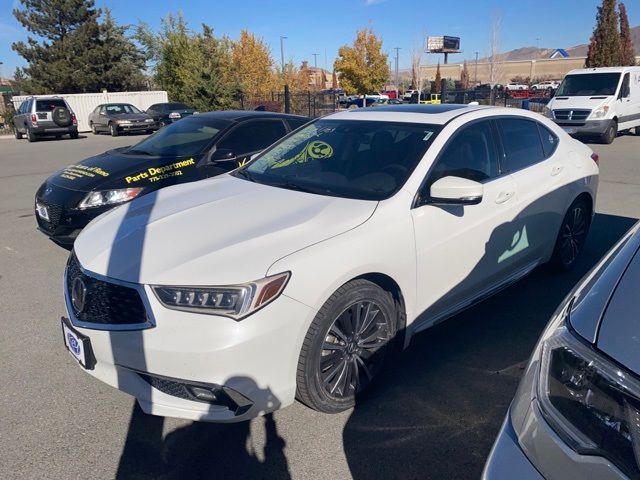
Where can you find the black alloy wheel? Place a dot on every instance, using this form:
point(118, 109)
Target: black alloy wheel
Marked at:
point(346, 346)
point(572, 235)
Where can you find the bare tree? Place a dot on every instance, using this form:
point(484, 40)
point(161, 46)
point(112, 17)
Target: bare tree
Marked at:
point(417, 52)
point(495, 68)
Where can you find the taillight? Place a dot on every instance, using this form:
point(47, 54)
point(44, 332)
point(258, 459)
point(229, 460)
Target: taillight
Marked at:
point(34, 118)
point(595, 158)
point(74, 120)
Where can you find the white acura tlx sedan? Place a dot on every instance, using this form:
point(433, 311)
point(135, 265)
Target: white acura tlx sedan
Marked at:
point(296, 275)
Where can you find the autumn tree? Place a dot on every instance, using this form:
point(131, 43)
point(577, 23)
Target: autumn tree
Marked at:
point(627, 53)
point(604, 47)
point(438, 79)
point(363, 67)
point(334, 80)
point(253, 65)
point(193, 67)
point(464, 76)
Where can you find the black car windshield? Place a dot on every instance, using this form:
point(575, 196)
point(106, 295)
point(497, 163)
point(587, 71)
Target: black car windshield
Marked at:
point(367, 160)
point(190, 136)
point(120, 108)
point(588, 84)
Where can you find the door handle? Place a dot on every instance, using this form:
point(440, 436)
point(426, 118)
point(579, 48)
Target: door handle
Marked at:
point(504, 196)
point(556, 169)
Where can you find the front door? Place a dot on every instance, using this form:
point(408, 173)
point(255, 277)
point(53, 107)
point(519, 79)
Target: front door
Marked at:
point(459, 249)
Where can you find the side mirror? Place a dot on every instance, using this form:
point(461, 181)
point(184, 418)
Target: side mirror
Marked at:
point(456, 191)
point(223, 155)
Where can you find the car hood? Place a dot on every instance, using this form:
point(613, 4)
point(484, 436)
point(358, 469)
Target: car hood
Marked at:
point(129, 116)
point(219, 231)
point(116, 169)
point(590, 102)
point(619, 332)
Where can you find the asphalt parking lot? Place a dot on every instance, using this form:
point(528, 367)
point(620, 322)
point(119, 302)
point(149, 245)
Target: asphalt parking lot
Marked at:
point(433, 414)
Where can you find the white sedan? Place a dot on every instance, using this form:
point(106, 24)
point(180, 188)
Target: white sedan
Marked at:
point(296, 275)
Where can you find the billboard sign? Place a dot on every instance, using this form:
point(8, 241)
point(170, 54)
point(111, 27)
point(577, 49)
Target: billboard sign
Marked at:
point(443, 44)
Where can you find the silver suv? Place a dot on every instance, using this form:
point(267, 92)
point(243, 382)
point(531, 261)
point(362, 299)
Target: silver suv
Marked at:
point(40, 116)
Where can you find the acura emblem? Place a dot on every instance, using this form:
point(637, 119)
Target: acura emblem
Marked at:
point(78, 294)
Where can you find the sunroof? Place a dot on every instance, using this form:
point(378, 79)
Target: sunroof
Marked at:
point(413, 108)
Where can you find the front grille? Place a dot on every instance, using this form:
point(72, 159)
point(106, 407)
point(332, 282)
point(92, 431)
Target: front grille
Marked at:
point(575, 115)
point(55, 213)
point(105, 303)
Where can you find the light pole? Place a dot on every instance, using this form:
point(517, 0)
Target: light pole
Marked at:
point(397, 60)
point(476, 74)
point(282, 37)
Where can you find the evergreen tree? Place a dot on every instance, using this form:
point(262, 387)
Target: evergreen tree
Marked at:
point(627, 53)
point(438, 78)
point(604, 48)
point(65, 31)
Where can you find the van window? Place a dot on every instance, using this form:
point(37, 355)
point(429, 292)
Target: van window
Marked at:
point(625, 87)
point(521, 141)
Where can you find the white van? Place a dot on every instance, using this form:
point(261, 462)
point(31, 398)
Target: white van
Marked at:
point(598, 102)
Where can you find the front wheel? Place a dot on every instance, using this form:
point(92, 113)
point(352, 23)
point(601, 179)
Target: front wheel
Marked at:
point(113, 130)
point(610, 135)
point(345, 346)
point(94, 130)
point(572, 236)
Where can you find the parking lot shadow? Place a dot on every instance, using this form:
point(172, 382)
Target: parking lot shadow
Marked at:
point(435, 411)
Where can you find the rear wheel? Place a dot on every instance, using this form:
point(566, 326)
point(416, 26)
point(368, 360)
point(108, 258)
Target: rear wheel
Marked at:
point(572, 235)
point(610, 135)
point(345, 346)
point(113, 129)
point(31, 136)
point(17, 133)
point(73, 135)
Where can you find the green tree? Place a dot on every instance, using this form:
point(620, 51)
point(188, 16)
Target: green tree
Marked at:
point(438, 79)
point(627, 53)
point(193, 67)
point(604, 48)
point(363, 67)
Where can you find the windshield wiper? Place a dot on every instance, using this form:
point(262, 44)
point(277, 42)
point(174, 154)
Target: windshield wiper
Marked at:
point(244, 174)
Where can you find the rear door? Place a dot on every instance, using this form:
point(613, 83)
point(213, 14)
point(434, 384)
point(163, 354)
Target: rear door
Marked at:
point(44, 110)
point(531, 156)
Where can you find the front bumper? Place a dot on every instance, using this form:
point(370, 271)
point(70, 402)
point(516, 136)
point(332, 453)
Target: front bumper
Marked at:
point(256, 357)
point(586, 128)
point(507, 460)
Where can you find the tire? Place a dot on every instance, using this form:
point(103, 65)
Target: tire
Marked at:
point(73, 135)
point(17, 134)
point(572, 236)
point(61, 116)
point(636, 130)
point(94, 130)
point(338, 359)
point(610, 135)
point(31, 136)
point(113, 129)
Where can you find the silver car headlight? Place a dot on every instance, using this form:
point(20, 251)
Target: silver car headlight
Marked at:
point(592, 403)
point(109, 197)
point(234, 301)
point(599, 112)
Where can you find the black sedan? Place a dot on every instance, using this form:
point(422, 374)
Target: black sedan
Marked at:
point(117, 118)
point(167, 113)
point(197, 147)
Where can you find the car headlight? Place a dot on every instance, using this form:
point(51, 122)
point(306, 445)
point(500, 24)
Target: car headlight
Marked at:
point(109, 197)
point(592, 403)
point(234, 301)
point(149, 120)
point(600, 112)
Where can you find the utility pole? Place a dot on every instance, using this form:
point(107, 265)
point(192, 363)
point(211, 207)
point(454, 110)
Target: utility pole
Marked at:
point(315, 69)
point(476, 74)
point(282, 37)
point(397, 60)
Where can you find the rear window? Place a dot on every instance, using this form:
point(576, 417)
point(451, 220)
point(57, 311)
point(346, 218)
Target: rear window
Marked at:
point(521, 141)
point(176, 106)
point(49, 105)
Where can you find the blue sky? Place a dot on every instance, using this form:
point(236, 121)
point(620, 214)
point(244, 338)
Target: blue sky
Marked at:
point(323, 26)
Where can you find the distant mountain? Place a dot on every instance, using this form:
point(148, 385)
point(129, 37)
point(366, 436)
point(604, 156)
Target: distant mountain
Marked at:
point(533, 53)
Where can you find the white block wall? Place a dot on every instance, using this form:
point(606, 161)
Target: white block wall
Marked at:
point(83, 104)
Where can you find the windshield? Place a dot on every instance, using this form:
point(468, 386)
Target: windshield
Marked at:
point(120, 108)
point(190, 136)
point(588, 84)
point(347, 158)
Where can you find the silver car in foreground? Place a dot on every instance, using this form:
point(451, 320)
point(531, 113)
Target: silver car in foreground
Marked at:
point(576, 414)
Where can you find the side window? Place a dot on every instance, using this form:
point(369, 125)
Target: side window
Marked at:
point(549, 140)
point(23, 107)
point(253, 136)
point(625, 90)
point(103, 110)
point(522, 145)
point(470, 154)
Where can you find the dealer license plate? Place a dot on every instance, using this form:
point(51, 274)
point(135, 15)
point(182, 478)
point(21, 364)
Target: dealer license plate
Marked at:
point(78, 345)
point(43, 213)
